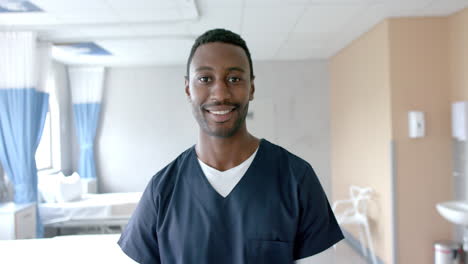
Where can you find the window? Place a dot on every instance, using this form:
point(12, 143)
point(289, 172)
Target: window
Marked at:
point(48, 155)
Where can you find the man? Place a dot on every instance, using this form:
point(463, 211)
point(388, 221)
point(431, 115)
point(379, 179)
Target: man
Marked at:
point(231, 198)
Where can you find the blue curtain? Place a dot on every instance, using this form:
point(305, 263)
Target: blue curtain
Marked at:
point(86, 121)
point(22, 117)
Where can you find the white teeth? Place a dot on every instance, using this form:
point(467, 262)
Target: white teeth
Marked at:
point(220, 112)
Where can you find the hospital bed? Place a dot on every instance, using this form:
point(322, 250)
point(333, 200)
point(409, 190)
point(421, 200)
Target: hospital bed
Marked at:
point(72, 202)
point(92, 210)
point(80, 249)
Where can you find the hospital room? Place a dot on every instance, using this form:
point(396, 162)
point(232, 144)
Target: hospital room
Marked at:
point(101, 112)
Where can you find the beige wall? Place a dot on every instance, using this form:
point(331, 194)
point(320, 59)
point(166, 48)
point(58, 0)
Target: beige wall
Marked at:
point(400, 65)
point(361, 128)
point(419, 69)
point(459, 55)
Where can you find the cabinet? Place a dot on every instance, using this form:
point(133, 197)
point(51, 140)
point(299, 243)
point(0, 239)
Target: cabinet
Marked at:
point(17, 221)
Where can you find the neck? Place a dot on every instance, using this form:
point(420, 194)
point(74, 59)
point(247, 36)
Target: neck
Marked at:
point(225, 153)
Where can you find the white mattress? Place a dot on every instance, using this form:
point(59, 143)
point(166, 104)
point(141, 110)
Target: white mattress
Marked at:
point(65, 249)
point(91, 207)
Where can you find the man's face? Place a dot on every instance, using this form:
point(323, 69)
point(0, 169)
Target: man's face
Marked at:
point(219, 87)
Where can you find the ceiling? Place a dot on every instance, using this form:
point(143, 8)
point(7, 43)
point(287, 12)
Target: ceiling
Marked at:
point(161, 32)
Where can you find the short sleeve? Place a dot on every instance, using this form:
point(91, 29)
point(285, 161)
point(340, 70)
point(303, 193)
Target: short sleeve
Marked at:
point(317, 229)
point(139, 238)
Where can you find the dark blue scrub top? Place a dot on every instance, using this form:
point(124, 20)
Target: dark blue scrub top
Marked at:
point(277, 213)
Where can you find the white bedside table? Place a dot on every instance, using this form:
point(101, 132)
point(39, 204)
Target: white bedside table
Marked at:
point(17, 221)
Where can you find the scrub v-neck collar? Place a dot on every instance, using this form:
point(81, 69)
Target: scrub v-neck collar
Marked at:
point(205, 191)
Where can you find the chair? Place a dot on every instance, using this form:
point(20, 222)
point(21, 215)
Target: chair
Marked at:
point(356, 213)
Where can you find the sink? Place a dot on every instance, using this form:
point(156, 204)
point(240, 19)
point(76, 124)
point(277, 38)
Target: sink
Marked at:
point(454, 211)
point(457, 213)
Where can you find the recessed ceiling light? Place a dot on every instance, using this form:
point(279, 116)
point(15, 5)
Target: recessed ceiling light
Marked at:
point(18, 6)
point(85, 48)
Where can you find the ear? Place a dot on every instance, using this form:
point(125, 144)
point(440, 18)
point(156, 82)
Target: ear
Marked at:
point(187, 87)
point(252, 89)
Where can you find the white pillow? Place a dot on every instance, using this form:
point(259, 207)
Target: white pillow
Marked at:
point(60, 188)
point(48, 186)
point(69, 188)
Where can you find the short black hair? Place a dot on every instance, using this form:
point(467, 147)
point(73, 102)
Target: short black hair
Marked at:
point(220, 35)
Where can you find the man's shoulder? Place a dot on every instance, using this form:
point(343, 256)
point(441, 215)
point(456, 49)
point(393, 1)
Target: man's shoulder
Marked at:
point(167, 174)
point(281, 155)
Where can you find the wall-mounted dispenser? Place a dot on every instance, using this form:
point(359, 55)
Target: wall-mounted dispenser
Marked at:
point(459, 120)
point(416, 126)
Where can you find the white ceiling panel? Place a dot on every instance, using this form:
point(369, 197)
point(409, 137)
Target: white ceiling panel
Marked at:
point(444, 7)
point(121, 32)
point(87, 34)
point(165, 50)
point(274, 3)
point(154, 10)
point(86, 17)
point(104, 31)
point(125, 47)
point(208, 4)
point(406, 4)
point(361, 24)
point(300, 46)
point(140, 4)
point(327, 18)
point(175, 50)
point(188, 12)
point(312, 52)
point(186, 3)
point(162, 31)
point(159, 29)
point(401, 8)
point(228, 18)
point(27, 19)
point(264, 47)
point(48, 35)
point(149, 14)
point(345, 2)
point(270, 20)
point(57, 6)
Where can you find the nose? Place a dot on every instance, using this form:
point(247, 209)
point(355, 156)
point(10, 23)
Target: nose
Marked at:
point(220, 91)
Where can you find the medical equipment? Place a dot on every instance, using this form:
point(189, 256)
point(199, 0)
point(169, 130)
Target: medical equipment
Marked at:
point(356, 214)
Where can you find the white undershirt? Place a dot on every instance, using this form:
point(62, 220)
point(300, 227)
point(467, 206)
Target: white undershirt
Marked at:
point(224, 181)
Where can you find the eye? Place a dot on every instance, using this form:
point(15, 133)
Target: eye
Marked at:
point(204, 79)
point(234, 79)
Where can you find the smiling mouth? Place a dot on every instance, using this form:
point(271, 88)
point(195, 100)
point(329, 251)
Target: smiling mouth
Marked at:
point(221, 115)
point(223, 112)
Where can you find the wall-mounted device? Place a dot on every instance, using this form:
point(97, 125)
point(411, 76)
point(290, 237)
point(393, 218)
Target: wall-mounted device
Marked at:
point(416, 124)
point(459, 120)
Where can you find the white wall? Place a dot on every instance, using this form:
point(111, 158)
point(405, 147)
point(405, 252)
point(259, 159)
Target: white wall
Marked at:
point(67, 129)
point(295, 96)
point(145, 123)
point(4, 192)
point(146, 120)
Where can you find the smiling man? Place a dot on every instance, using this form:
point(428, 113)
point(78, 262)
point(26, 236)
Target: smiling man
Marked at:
point(231, 198)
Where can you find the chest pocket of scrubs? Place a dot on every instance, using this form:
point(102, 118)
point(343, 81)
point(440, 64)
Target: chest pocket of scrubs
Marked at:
point(269, 252)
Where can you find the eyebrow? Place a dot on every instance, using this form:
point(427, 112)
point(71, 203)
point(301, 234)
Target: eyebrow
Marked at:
point(236, 69)
point(204, 68)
